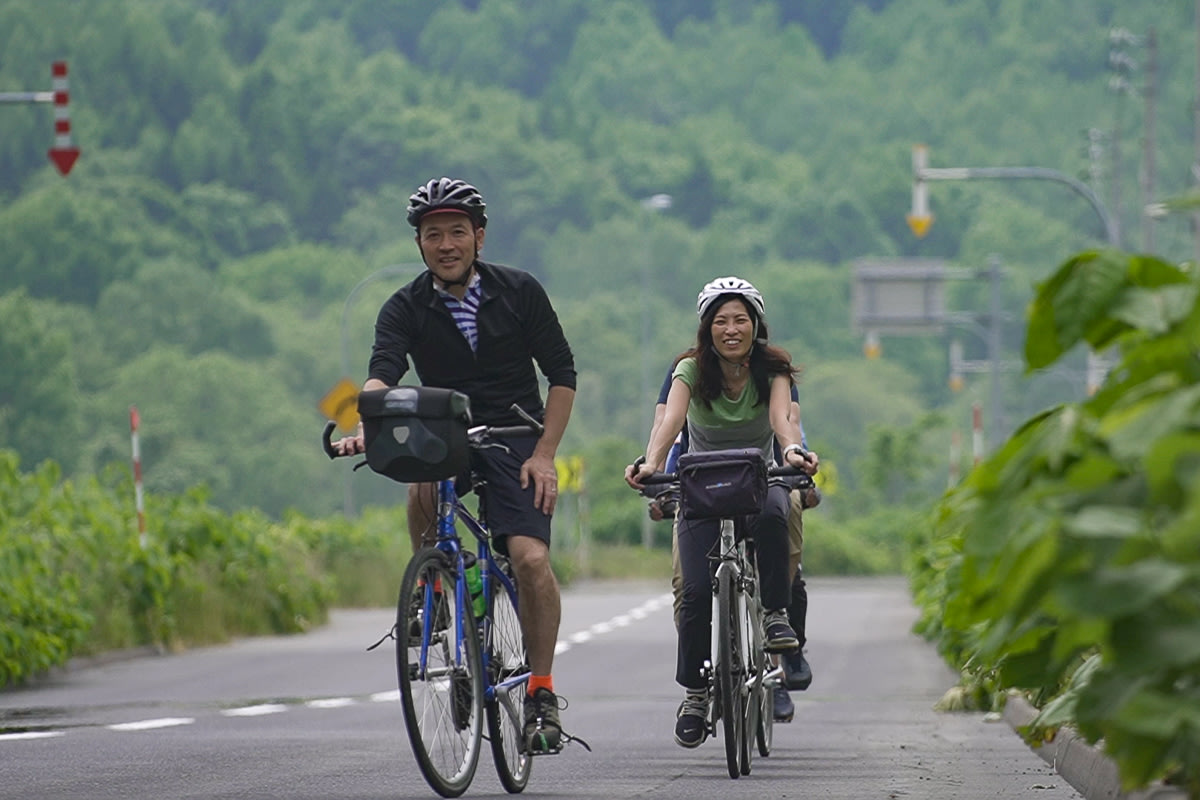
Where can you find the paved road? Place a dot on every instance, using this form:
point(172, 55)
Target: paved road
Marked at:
point(315, 716)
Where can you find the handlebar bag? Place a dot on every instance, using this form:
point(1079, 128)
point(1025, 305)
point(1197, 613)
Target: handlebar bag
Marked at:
point(722, 483)
point(415, 434)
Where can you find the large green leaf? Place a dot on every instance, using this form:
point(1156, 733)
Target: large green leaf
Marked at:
point(1069, 302)
point(1117, 591)
point(1172, 463)
point(1156, 413)
point(1151, 642)
point(1153, 311)
point(1113, 522)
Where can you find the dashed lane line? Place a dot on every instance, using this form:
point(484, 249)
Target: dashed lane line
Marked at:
point(263, 709)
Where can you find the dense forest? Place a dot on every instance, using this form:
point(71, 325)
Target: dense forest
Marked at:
point(218, 253)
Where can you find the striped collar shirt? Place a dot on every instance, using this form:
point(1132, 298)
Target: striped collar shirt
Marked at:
point(466, 310)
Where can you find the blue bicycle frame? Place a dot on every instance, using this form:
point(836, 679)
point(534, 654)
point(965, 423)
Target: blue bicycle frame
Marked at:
point(450, 511)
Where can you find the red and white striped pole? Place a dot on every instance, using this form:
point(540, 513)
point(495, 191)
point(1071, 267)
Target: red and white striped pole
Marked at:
point(955, 456)
point(64, 152)
point(134, 422)
point(977, 431)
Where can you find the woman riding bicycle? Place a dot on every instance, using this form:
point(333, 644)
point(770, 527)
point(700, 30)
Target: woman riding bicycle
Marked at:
point(733, 391)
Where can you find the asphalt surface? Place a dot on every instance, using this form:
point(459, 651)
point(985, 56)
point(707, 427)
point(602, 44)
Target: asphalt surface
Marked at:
point(316, 716)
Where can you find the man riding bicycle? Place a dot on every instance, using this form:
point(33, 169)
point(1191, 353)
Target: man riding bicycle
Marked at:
point(480, 328)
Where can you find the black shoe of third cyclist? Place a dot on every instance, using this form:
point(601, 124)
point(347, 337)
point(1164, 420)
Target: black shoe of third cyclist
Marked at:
point(797, 674)
point(780, 636)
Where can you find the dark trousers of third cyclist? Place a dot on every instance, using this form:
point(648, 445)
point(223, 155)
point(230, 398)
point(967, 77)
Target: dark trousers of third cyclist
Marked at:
point(699, 542)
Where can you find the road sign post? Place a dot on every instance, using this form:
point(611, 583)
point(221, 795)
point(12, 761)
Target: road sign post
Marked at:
point(64, 153)
point(906, 297)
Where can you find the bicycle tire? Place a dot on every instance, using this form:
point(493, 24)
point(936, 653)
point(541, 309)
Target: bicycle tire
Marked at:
point(729, 679)
point(506, 660)
point(443, 704)
point(764, 729)
point(755, 669)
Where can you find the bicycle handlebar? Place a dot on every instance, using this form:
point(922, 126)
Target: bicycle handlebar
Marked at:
point(476, 435)
point(782, 471)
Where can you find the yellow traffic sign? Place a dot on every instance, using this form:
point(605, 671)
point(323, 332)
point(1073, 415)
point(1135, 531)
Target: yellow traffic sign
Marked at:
point(570, 473)
point(340, 404)
point(919, 223)
point(826, 478)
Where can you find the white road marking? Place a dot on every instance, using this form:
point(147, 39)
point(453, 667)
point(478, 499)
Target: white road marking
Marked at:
point(151, 724)
point(254, 711)
point(29, 735)
point(332, 702)
point(620, 621)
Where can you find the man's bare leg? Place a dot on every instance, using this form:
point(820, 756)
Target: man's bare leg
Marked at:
point(422, 514)
point(539, 606)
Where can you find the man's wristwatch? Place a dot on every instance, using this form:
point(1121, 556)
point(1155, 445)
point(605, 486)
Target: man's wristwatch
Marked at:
point(793, 448)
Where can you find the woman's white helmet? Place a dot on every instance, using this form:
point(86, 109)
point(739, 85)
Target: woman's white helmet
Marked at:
point(730, 285)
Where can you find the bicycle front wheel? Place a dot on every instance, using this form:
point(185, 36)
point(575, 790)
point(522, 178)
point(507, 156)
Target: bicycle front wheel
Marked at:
point(508, 674)
point(762, 695)
point(441, 680)
point(730, 683)
point(755, 661)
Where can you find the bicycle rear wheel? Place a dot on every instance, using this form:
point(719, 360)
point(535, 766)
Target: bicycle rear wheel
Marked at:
point(441, 680)
point(508, 674)
point(730, 682)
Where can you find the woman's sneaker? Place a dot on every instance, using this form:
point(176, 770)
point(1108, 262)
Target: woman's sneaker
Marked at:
point(691, 721)
point(780, 636)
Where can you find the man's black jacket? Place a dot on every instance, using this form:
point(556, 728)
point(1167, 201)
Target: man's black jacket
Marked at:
point(517, 326)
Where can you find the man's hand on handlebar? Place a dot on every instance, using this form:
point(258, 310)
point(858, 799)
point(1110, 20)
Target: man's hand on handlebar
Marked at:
point(350, 445)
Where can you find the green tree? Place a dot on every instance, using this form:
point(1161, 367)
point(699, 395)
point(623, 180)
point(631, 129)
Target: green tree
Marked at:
point(39, 398)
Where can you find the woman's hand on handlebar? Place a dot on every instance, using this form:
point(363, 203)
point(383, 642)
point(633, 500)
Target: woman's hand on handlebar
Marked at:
point(807, 461)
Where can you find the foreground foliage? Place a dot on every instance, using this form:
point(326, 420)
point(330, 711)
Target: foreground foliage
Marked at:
point(1068, 564)
point(74, 579)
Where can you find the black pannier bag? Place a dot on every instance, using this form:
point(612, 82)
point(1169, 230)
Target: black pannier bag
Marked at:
point(722, 483)
point(415, 434)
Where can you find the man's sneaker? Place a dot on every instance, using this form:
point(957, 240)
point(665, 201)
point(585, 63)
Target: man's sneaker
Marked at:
point(780, 636)
point(796, 672)
point(784, 708)
point(543, 732)
point(691, 722)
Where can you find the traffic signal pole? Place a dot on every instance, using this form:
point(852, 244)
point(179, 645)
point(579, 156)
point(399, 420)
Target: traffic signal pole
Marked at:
point(920, 219)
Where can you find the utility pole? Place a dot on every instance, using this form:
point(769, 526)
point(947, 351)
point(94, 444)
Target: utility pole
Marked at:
point(1121, 83)
point(1149, 93)
point(1196, 137)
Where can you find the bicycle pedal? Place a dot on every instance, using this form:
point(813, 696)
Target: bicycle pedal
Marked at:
point(537, 745)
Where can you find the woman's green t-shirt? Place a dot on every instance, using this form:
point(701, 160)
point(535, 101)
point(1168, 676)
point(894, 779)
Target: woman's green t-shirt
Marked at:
point(729, 423)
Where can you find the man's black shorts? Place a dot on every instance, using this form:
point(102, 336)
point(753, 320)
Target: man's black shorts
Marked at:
point(510, 510)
